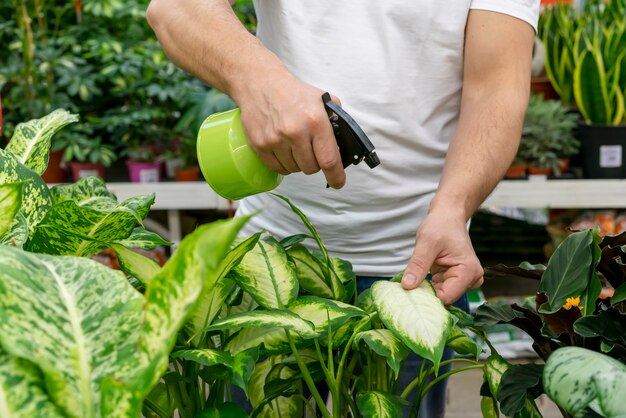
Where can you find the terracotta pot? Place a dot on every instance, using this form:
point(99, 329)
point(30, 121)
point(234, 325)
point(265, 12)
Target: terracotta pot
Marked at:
point(55, 173)
point(539, 171)
point(516, 170)
point(542, 85)
point(144, 172)
point(82, 170)
point(188, 173)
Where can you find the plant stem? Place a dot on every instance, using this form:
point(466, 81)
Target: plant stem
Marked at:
point(307, 377)
point(450, 373)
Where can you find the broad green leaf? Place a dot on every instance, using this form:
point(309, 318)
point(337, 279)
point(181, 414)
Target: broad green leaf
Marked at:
point(215, 291)
point(205, 357)
point(345, 279)
point(569, 270)
point(281, 406)
point(375, 404)
point(519, 383)
point(225, 410)
point(118, 400)
point(144, 239)
point(462, 344)
point(323, 313)
point(576, 378)
point(37, 198)
point(619, 295)
point(272, 340)
point(22, 391)
point(309, 271)
point(17, 235)
point(85, 192)
point(172, 295)
point(384, 343)
point(83, 228)
point(137, 265)
point(10, 204)
point(31, 140)
point(266, 273)
point(415, 316)
point(84, 332)
point(608, 327)
point(159, 401)
point(267, 319)
point(590, 88)
point(243, 367)
point(489, 407)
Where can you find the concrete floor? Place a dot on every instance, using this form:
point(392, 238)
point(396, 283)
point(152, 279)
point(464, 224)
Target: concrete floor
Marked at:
point(464, 397)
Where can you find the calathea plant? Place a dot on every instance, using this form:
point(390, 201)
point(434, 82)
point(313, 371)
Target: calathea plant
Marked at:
point(580, 303)
point(76, 339)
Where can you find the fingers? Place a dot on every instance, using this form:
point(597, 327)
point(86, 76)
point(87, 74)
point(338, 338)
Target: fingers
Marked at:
point(453, 283)
point(418, 267)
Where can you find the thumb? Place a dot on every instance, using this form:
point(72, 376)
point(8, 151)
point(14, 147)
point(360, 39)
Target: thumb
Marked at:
point(418, 267)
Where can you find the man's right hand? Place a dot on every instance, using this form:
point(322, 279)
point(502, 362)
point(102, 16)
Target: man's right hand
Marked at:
point(287, 126)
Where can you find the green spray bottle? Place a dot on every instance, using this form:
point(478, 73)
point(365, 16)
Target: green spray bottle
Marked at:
point(234, 171)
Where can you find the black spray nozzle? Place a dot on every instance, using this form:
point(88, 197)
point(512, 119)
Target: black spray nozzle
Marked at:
point(353, 144)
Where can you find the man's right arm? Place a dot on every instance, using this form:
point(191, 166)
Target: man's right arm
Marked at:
point(284, 118)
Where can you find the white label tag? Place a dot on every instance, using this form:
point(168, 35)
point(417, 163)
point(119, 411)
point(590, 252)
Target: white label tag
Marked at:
point(149, 175)
point(86, 173)
point(610, 156)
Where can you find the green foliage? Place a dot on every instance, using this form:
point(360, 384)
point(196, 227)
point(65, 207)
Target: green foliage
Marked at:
point(547, 134)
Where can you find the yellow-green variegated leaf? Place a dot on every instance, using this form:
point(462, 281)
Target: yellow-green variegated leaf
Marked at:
point(384, 343)
point(118, 400)
point(267, 319)
point(31, 140)
point(172, 294)
point(415, 316)
point(137, 265)
point(37, 198)
point(215, 291)
point(495, 366)
point(462, 344)
point(344, 278)
point(83, 228)
point(85, 192)
point(22, 391)
point(374, 404)
point(309, 271)
point(10, 204)
point(144, 239)
point(205, 357)
point(84, 332)
point(324, 313)
point(269, 340)
point(266, 273)
point(17, 235)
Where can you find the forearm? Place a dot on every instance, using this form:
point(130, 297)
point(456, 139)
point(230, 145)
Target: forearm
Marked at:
point(205, 38)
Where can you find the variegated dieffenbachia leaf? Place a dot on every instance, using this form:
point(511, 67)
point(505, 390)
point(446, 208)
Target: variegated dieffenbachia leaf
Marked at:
point(85, 331)
point(83, 228)
point(375, 404)
point(324, 314)
point(279, 406)
point(205, 357)
point(173, 293)
point(144, 239)
point(17, 235)
point(31, 140)
point(10, 204)
point(37, 198)
point(216, 290)
point(415, 316)
point(84, 192)
point(384, 343)
point(462, 344)
point(267, 319)
point(22, 391)
point(137, 265)
point(309, 271)
point(271, 340)
point(266, 273)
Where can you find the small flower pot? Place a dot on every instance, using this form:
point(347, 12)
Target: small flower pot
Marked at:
point(171, 165)
point(143, 172)
point(516, 171)
point(542, 86)
point(54, 172)
point(188, 173)
point(82, 170)
point(539, 173)
point(603, 150)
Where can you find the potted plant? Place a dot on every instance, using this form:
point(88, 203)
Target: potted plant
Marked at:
point(547, 136)
point(183, 152)
point(86, 153)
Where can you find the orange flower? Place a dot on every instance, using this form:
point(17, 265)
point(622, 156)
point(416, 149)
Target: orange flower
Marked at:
point(571, 302)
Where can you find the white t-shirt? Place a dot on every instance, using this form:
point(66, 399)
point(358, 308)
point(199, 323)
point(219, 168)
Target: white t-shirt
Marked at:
point(397, 67)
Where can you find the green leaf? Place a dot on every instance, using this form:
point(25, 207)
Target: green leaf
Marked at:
point(85, 192)
point(10, 204)
point(489, 407)
point(31, 140)
point(85, 227)
point(267, 319)
point(205, 357)
point(243, 367)
point(462, 344)
point(384, 343)
point(619, 295)
point(519, 383)
point(415, 316)
point(225, 410)
point(309, 271)
point(590, 88)
point(569, 270)
point(216, 290)
point(265, 273)
point(84, 332)
point(144, 239)
point(281, 406)
point(576, 378)
point(22, 391)
point(137, 265)
point(17, 235)
point(273, 340)
point(172, 295)
point(324, 313)
point(495, 366)
point(37, 198)
point(608, 327)
point(375, 404)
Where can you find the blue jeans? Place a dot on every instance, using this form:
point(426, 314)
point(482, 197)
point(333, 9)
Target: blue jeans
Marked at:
point(434, 403)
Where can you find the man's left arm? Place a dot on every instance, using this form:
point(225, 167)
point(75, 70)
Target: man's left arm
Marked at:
point(496, 84)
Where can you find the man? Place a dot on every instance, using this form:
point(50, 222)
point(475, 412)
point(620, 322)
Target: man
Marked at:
point(440, 88)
